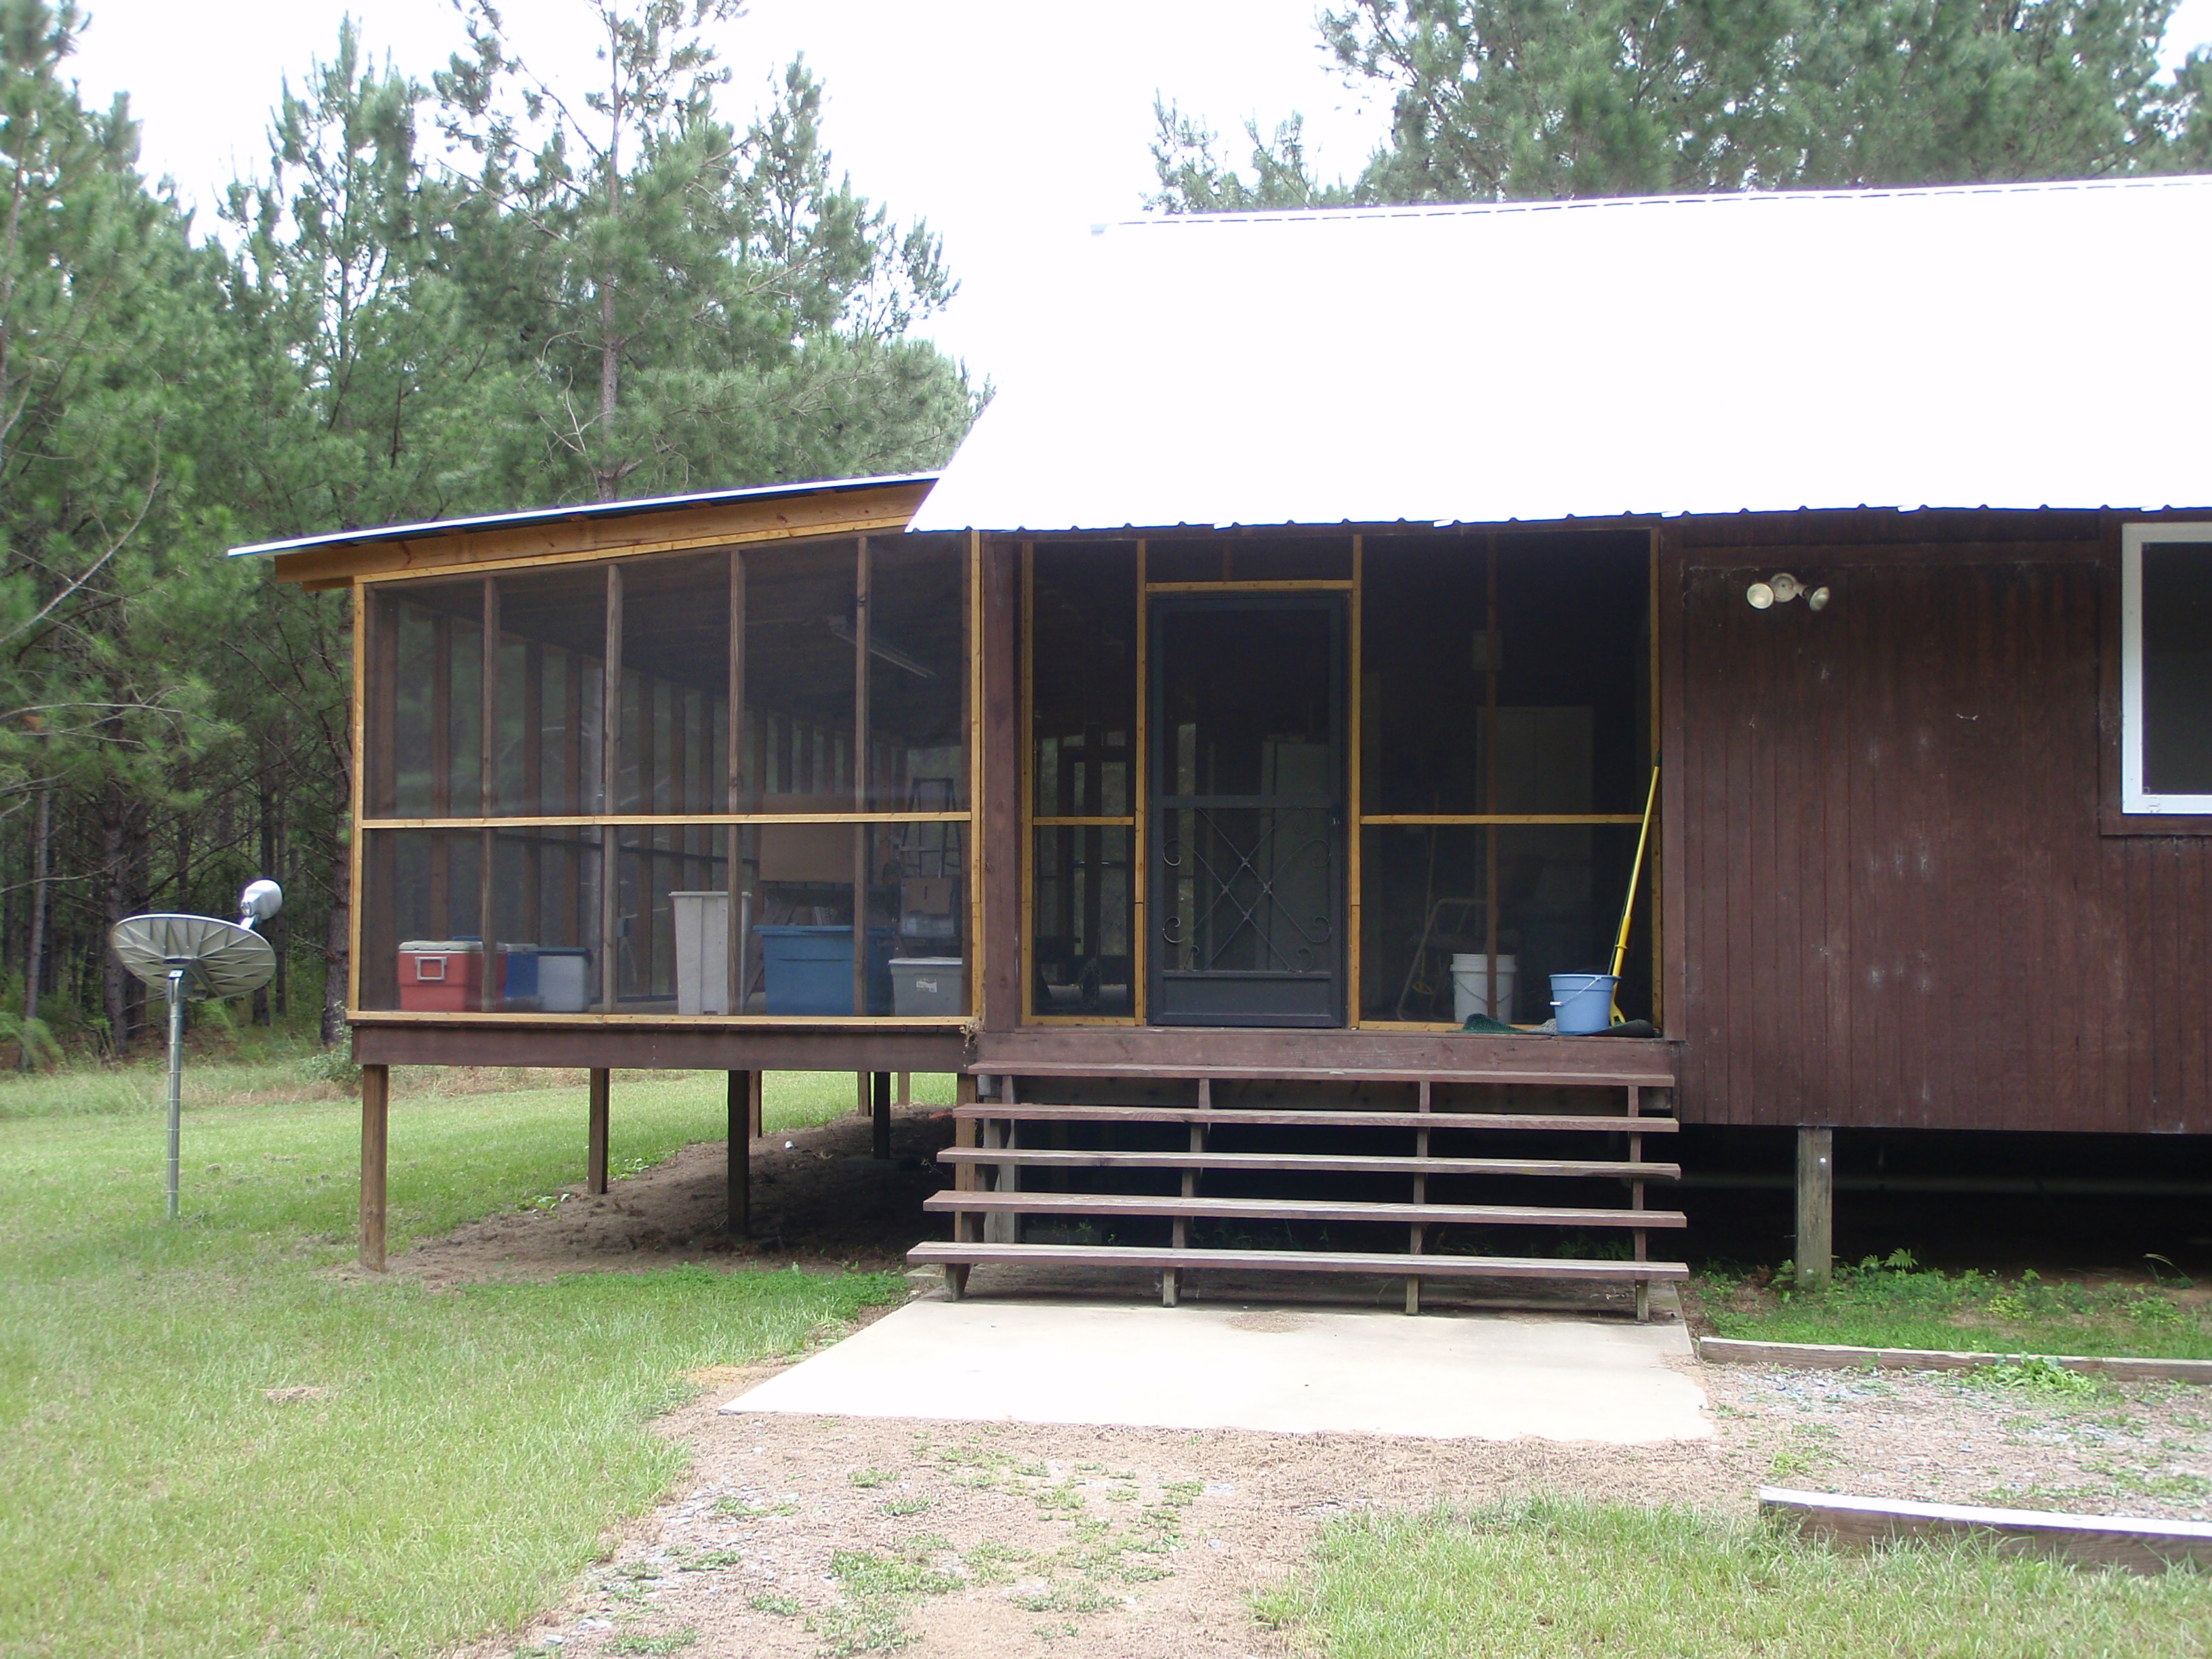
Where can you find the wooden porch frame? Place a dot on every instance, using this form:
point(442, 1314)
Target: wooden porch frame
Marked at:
point(1359, 820)
point(486, 823)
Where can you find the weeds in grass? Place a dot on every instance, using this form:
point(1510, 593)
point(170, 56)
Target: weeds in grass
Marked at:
point(989, 1562)
point(1553, 1577)
point(783, 1606)
point(674, 1643)
point(1065, 1497)
point(1078, 1597)
point(907, 1506)
point(1812, 1446)
point(749, 1509)
point(870, 1616)
point(2035, 1375)
point(1893, 1302)
point(871, 1477)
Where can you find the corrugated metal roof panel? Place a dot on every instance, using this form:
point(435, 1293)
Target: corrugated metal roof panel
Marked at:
point(2017, 346)
point(579, 510)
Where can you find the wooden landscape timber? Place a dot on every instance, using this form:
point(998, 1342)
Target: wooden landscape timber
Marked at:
point(1841, 1357)
point(2095, 1541)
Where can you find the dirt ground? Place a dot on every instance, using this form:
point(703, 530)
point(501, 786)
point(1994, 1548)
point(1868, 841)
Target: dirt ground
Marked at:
point(820, 1200)
point(805, 1536)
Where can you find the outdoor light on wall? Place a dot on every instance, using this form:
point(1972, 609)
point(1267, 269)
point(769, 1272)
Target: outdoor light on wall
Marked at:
point(1780, 589)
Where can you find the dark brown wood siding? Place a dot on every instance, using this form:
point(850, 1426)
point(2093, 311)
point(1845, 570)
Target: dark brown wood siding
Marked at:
point(1894, 905)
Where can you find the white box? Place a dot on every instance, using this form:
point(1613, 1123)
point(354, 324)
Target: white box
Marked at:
point(702, 952)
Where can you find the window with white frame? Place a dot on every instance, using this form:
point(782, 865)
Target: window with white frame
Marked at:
point(2165, 668)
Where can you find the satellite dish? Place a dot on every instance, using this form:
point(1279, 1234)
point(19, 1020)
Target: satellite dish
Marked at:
point(218, 959)
point(194, 958)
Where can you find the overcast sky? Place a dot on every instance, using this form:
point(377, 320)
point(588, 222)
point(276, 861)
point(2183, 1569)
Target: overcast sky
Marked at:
point(1010, 124)
point(1007, 124)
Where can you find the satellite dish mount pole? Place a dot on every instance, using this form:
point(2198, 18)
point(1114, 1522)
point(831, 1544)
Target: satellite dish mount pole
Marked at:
point(176, 1077)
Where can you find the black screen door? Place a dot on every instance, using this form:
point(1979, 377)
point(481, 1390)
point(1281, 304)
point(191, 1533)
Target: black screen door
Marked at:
point(1248, 820)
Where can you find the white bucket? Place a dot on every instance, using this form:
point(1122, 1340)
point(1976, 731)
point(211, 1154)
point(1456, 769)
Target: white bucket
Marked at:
point(1470, 976)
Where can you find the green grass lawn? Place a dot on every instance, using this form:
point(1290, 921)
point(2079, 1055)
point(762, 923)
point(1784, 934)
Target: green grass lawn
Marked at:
point(470, 1450)
point(1894, 1304)
point(1557, 1577)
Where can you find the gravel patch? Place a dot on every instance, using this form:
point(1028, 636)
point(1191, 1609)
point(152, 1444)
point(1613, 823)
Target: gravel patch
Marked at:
point(797, 1536)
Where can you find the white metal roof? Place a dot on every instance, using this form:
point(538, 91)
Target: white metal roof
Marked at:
point(2017, 346)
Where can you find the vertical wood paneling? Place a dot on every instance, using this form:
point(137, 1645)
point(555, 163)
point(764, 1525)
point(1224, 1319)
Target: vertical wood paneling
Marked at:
point(1896, 906)
point(1002, 979)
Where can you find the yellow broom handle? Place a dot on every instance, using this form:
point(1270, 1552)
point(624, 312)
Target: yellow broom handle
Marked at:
point(1636, 874)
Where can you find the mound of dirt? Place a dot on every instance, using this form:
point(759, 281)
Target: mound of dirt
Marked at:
point(820, 1200)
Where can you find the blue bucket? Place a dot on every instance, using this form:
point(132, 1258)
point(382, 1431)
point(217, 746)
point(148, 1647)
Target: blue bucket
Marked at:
point(1582, 1002)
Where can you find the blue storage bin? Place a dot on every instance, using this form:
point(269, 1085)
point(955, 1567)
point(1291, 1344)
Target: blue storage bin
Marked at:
point(810, 969)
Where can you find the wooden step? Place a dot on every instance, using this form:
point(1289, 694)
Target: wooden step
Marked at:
point(1291, 1117)
point(1315, 1162)
point(1320, 1261)
point(1660, 1076)
point(1271, 1209)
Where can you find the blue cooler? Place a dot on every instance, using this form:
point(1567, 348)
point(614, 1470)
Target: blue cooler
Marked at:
point(810, 969)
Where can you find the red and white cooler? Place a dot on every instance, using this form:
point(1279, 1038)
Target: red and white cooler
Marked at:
point(446, 975)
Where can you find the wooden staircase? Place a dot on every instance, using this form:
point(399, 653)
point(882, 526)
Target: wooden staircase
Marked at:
point(1366, 1167)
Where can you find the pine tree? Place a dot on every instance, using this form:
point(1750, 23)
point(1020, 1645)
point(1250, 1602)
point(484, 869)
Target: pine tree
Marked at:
point(1495, 99)
point(686, 305)
point(108, 319)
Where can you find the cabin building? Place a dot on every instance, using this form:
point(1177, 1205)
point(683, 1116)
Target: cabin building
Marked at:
point(1217, 763)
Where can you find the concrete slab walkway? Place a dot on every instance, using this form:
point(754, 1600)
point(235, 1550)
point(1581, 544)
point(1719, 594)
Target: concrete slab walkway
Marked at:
point(1292, 1371)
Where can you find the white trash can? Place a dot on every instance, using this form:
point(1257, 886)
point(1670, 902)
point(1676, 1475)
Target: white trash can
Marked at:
point(1470, 974)
point(702, 952)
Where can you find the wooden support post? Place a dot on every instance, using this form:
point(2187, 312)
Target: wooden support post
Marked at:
point(1420, 1232)
point(963, 1180)
point(595, 1159)
point(741, 1099)
point(863, 848)
point(1636, 1202)
point(739, 798)
point(906, 1089)
point(758, 1120)
point(881, 1089)
point(1003, 1227)
point(489, 985)
point(610, 706)
point(375, 1129)
point(1171, 1277)
point(1816, 1207)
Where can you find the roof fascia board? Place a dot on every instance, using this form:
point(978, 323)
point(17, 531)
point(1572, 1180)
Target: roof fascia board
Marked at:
point(575, 510)
point(780, 518)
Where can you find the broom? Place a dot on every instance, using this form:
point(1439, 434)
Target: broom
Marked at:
point(1635, 874)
